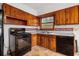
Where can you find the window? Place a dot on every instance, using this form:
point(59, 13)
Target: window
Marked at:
point(47, 23)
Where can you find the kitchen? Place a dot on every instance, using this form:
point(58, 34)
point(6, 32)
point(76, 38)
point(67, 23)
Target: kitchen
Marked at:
point(55, 29)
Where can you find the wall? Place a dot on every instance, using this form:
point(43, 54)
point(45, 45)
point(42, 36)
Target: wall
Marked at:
point(66, 26)
point(6, 34)
point(24, 7)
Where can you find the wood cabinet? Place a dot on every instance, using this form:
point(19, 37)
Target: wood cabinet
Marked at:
point(13, 12)
point(7, 9)
point(47, 41)
point(17, 14)
point(60, 17)
point(67, 16)
point(15, 21)
point(33, 22)
point(72, 15)
point(34, 39)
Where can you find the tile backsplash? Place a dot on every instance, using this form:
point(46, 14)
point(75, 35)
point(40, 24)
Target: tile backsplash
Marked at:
point(65, 27)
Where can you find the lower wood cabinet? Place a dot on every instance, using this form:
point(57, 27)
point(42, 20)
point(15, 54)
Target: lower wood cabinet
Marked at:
point(47, 41)
point(34, 40)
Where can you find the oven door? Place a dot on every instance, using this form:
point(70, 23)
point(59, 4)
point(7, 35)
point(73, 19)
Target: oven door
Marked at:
point(19, 42)
point(23, 44)
point(65, 45)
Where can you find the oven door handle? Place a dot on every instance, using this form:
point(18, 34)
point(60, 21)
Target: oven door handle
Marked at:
point(76, 45)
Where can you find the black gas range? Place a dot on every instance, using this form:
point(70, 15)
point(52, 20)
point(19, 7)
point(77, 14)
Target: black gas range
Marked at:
point(20, 41)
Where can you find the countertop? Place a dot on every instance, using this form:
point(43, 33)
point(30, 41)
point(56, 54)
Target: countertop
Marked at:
point(45, 32)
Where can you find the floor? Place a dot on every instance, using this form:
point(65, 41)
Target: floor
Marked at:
point(41, 51)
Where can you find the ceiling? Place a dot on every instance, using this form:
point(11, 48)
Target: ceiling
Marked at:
point(43, 8)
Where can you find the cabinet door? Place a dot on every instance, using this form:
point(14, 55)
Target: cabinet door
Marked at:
point(57, 18)
point(60, 17)
point(48, 41)
point(34, 39)
point(16, 13)
point(6, 9)
point(68, 15)
point(38, 39)
point(29, 19)
point(45, 42)
point(42, 40)
point(53, 43)
point(13, 12)
point(33, 21)
point(21, 14)
point(24, 16)
point(72, 15)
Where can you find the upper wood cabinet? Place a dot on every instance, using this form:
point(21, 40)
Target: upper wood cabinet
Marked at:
point(33, 21)
point(13, 12)
point(16, 14)
point(60, 17)
point(72, 15)
point(67, 16)
point(7, 9)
